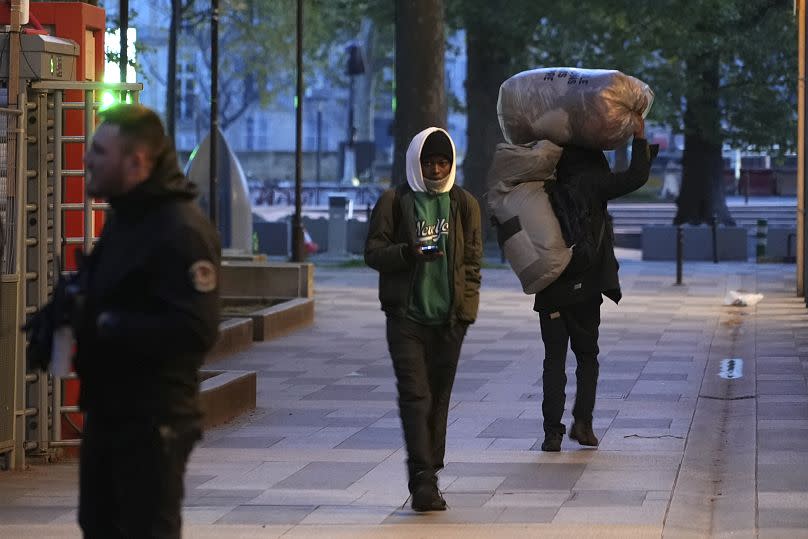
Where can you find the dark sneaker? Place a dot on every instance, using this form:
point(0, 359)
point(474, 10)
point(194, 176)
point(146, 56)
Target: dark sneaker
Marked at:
point(583, 433)
point(426, 496)
point(552, 441)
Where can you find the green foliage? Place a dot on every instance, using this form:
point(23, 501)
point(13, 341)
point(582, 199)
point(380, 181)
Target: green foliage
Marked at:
point(509, 32)
point(752, 41)
point(257, 40)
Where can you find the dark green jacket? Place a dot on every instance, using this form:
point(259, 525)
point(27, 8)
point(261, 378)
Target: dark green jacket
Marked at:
point(392, 233)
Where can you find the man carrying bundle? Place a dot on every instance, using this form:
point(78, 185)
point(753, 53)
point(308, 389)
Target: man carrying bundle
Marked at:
point(569, 308)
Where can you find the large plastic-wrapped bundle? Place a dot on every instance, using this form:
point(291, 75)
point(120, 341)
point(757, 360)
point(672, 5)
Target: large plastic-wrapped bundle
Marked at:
point(594, 108)
point(527, 228)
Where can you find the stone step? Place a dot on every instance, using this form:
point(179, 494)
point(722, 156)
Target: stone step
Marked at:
point(751, 224)
point(630, 218)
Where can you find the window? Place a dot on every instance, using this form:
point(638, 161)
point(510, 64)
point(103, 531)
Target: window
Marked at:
point(186, 89)
point(262, 134)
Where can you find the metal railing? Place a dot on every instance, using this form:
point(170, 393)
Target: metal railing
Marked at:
point(36, 254)
point(12, 367)
point(89, 105)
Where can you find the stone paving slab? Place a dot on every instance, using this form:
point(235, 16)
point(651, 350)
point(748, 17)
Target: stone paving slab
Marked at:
point(323, 455)
point(502, 530)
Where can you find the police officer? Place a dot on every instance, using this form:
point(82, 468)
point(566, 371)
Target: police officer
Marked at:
point(144, 308)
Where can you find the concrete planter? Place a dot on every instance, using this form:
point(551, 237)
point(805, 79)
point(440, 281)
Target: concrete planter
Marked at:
point(258, 279)
point(225, 395)
point(781, 243)
point(659, 243)
point(235, 335)
point(277, 297)
point(281, 319)
point(262, 301)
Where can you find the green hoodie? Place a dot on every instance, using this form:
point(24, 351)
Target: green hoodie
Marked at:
point(431, 299)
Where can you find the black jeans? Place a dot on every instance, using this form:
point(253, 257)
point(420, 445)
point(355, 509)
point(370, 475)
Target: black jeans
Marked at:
point(425, 362)
point(131, 477)
point(576, 324)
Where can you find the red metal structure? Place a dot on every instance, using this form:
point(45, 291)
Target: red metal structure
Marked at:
point(84, 24)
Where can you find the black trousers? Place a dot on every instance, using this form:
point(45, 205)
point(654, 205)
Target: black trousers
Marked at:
point(131, 478)
point(576, 325)
point(425, 361)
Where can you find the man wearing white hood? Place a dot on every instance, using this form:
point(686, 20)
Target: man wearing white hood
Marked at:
point(424, 240)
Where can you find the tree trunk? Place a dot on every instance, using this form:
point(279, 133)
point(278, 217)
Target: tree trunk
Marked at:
point(489, 62)
point(701, 199)
point(485, 73)
point(365, 83)
point(420, 86)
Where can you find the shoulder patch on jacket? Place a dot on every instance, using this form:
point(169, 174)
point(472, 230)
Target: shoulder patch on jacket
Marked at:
point(203, 276)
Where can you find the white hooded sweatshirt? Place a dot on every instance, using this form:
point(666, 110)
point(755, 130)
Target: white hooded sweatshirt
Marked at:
point(415, 177)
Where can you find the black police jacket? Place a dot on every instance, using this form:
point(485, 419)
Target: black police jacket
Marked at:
point(591, 170)
point(151, 303)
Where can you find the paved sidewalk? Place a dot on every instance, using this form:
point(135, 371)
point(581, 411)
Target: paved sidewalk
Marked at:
point(684, 452)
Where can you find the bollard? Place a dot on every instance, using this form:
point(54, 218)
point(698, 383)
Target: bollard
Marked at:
point(791, 236)
point(761, 235)
point(746, 191)
point(679, 253)
point(714, 226)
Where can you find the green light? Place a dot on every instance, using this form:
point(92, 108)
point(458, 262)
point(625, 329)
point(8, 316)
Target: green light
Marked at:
point(295, 102)
point(394, 103)
point(107, 100)
point(110, 98)
point(52, 65)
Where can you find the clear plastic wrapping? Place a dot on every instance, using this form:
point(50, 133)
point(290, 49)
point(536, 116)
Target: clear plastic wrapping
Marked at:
point(594, 108)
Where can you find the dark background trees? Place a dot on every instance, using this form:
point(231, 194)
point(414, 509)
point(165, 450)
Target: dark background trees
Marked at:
point(420, 82)
point(496, 48)
point(724, 72)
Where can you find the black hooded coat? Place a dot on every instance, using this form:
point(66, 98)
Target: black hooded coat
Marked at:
point(154, 274)
point(597, 184)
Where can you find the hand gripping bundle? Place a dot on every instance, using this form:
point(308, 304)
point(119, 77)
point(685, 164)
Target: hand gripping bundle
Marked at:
point(594, 108)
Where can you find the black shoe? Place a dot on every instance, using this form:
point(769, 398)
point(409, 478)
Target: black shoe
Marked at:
point(583, 433)
point(426, 496)
point(552, 441)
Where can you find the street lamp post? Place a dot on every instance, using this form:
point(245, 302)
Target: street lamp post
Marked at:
point(171, 86)
point(802, 149)
point(123, 7)
point(319, 138)
point(350, 135)
point(354, 67)
point(298, 252)
point(317, 95)
point(214, 112)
